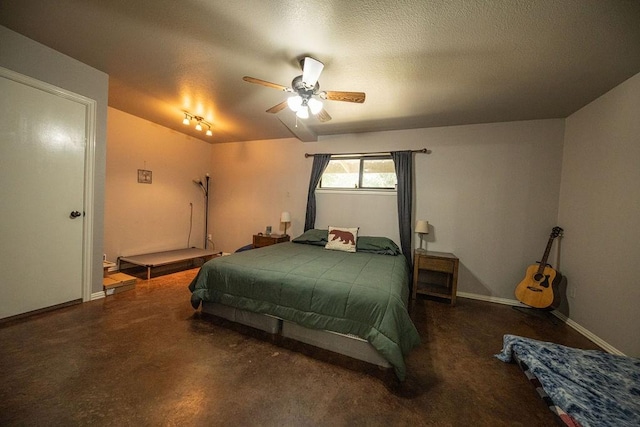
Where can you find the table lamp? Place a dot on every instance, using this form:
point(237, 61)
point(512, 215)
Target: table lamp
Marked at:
point(422, 228)
point(285, 217)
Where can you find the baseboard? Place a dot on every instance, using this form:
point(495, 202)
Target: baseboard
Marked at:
point(487, 298)
point(97, 295)
point(587, 333)
point(582, 330)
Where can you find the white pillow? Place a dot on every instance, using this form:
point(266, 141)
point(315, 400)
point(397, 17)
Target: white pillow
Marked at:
point(342, 239)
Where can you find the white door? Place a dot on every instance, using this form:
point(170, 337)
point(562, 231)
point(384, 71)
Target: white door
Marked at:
point(42, 159)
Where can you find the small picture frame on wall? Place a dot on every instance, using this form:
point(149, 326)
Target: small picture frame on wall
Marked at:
point(268, 230)
point(144, 176)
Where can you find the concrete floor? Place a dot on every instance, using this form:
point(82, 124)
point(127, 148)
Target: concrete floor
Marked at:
point(145, 357)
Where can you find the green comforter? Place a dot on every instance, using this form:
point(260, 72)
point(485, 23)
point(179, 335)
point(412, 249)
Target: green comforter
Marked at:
point(362, 294)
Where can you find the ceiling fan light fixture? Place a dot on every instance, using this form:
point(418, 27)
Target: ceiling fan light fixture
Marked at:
point(314, 105)
point(306, 95)
point(303, 112)
point(294, 102)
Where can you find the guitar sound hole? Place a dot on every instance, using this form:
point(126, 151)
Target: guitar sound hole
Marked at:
point(538, 277)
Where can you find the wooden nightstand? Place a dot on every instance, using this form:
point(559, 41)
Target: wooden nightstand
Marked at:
point(435, 274)
point(260, 240)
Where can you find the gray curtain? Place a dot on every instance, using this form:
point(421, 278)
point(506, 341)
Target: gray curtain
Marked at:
point(403, 161)
point(320, 162)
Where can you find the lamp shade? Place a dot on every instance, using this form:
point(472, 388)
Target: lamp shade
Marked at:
point(422, 227)
point(303, 112)
point(285, 217)
point(294, 102)
point(314, 105)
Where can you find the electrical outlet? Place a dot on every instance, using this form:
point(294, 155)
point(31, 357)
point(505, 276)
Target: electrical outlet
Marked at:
point(572, 291)
point(209, 236)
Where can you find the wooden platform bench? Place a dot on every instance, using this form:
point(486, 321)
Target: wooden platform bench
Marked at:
point(158, 259)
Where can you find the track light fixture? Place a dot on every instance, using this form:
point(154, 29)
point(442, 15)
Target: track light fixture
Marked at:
point(200, 122)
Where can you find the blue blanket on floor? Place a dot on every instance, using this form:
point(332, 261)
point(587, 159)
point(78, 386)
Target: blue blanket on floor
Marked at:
point(593, 387)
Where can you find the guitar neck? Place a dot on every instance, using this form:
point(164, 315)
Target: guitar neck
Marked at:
point(543, 262)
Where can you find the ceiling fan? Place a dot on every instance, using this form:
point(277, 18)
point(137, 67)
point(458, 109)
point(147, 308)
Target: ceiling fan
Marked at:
point(308, 97)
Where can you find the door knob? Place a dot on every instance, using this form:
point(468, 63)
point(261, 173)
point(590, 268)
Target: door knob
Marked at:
point(74, 214)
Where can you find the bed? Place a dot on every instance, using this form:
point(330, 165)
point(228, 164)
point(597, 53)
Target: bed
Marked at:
point(319, 296)
point(582, 387)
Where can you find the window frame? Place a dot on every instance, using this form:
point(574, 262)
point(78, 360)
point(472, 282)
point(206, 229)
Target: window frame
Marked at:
point(361, 159)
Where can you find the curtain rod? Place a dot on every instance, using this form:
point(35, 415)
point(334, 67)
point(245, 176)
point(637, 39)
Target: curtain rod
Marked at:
point(424, 150)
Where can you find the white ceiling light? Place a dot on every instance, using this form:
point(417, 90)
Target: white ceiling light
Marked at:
point(303, 112)
point(294, 102)
point(299, 105)
point(314, 105)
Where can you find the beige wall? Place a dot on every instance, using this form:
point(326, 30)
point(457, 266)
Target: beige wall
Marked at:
point(490, 193)
point(25, 56)
point(600, 211)
point(252, 183)
point(142, 218)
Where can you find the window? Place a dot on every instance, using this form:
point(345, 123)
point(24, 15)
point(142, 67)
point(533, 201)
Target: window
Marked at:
point(368, 173)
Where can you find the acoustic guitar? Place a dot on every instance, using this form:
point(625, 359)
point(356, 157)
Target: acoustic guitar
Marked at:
point(538, 289)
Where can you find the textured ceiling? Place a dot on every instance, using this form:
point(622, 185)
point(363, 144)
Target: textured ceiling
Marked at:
point(421, 63)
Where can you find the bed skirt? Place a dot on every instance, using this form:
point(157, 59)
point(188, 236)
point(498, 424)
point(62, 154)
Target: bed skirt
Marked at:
point(348, 345)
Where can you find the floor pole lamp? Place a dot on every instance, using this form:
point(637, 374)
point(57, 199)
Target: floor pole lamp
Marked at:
point(205, 189)
point(285, 217)
point(422, 228)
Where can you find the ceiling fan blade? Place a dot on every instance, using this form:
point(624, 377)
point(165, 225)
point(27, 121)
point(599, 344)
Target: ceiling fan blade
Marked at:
point(345, 96)
point(264, 83)
point(277, 108)
point(323, 116)
point(311, 70)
